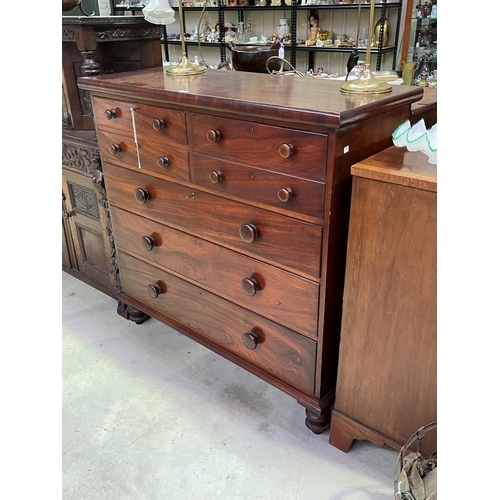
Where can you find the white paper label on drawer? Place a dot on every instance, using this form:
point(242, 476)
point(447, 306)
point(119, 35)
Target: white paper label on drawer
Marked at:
point(346, 149)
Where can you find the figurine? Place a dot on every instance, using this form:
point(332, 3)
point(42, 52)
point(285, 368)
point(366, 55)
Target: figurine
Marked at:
point(313, 28)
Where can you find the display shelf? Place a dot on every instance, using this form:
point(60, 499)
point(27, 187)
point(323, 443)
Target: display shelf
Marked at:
point(422, 46)
point(298, 15)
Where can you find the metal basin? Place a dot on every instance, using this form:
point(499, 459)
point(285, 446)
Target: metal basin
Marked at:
point(253, 58)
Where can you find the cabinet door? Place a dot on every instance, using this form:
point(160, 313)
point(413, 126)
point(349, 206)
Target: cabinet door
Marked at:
point(87, 223)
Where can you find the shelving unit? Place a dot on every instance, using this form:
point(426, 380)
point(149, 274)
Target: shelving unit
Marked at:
point(298, 15)
point(420, 37)
point(423, 29)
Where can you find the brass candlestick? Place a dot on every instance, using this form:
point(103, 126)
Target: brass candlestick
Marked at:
point(185, 66)
point(367, 83)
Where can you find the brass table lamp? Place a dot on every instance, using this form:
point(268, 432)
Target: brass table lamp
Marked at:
point(160, 12)
point(367, 83)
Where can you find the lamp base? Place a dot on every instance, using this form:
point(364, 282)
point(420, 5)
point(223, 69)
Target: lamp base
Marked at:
point(366, 84)
point(184, 68)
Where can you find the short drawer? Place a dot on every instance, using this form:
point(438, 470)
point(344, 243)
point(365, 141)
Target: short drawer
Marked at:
point(261, 186)
point(277, 239)
point(152, 123)
point(278, 351)
point(277, 148)
point(271, 292)
point(119, 148)
point(160, 125)
point(112, 114)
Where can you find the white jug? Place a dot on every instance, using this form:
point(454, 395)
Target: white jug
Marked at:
point(283, 28)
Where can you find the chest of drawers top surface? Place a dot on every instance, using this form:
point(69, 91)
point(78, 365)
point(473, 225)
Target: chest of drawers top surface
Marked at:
point(300, 100)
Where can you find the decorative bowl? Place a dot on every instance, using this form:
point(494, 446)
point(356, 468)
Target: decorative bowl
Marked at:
point(253, 58)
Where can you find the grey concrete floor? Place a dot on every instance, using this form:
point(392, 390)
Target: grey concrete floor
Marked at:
point(150, 414)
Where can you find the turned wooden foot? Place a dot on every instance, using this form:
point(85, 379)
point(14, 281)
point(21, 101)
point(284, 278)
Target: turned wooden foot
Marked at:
point(131, 313)
point(316, 421)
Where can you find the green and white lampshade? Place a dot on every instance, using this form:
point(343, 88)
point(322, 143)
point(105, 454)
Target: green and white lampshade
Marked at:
point(158, 12)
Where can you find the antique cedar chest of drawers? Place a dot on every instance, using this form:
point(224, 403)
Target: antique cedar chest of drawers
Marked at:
point(229, 199)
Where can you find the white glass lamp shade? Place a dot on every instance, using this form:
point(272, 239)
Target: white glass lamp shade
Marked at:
point(158, 12)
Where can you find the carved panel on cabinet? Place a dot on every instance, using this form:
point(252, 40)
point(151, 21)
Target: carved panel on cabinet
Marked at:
point(88, 247)
point(83, 200)
point(80, 157)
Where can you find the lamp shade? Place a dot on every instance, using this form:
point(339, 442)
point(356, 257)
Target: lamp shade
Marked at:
point(158, 12)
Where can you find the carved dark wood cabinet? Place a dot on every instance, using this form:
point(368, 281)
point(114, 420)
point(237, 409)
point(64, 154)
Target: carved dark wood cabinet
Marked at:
point(93, 46)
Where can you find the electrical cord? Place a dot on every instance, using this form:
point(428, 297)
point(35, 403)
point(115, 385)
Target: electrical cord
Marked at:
point(280, 72)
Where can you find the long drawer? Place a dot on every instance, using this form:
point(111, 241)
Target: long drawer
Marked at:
point(119, 147)
point(283, 241)
point(279, 295)
point(284, 354)
point(258, 185)
point(277, 148)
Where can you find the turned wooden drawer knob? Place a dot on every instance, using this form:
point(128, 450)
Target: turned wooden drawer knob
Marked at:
point(141, 195)
point(286, 150)
point(158, 124)
point(250, 340)
point(154, 290)
point(215, 176)
point(213, 136)
point(163, 161)
point(250, 286)
point(148, 243)
point(285, 194)
point(248, 233)
point(110, 114)
point(114, 149)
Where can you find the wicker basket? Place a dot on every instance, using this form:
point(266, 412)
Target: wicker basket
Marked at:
point(415, 443)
